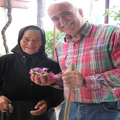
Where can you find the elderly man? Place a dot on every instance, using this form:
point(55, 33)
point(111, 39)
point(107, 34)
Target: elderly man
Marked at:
point(96, 51)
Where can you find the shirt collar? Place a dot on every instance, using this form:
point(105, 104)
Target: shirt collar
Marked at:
point(85, 32)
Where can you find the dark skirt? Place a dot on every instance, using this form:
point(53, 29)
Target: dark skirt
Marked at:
point(22, 110)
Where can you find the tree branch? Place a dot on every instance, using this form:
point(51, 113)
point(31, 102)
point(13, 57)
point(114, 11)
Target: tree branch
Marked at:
point(9, 7)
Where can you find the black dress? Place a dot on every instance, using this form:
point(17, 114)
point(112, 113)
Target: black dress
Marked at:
point(16, 85)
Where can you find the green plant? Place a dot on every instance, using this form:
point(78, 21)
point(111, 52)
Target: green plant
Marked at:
point(114, 12)
point(49, 41)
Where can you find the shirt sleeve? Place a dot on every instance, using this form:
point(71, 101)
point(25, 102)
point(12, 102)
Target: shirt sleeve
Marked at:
point(59, 82)
point(109, 79)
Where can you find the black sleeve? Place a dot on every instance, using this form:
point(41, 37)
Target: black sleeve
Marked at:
point(2, 69)
point(52, 65)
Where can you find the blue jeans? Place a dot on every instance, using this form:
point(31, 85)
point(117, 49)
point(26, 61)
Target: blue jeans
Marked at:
point(92, 112)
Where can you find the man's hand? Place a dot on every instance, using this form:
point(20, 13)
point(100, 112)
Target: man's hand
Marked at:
point(43, 80)
point(4, 101)
point(41, 107)
point(74, 79)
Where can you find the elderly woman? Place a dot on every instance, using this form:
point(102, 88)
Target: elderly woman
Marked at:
point(29, 100)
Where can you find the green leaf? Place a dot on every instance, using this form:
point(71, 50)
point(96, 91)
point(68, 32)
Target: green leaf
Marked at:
point(36, 73)
point(49, 41)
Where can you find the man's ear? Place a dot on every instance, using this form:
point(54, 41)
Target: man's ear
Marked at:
point(81, 12)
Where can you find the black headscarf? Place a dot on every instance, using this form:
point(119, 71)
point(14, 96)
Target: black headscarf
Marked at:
point(39, 56)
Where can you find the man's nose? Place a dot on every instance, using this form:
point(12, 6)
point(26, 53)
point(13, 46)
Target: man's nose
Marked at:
point(62, 22)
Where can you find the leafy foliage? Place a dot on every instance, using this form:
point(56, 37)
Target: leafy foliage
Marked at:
point(49, 41)
point(114, 12)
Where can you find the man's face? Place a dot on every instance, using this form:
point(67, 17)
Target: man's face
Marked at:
point(31, 41)
point(66, 18)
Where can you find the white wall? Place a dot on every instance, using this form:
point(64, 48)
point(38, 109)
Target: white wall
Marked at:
point(23, 17)
point(20, 18)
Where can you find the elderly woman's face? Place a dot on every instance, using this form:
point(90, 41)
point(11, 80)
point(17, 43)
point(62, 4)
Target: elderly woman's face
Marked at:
point(31, 41)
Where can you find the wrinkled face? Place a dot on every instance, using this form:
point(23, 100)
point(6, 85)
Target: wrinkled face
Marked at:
point(66, 18)
point(31, 41)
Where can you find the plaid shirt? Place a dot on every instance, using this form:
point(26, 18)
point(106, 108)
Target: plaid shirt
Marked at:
point(97, 58)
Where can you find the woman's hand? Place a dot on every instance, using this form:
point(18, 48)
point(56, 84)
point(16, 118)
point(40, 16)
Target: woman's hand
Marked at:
point(4, 101)
point(41, 107)
point(43, 80)
point(74, 79)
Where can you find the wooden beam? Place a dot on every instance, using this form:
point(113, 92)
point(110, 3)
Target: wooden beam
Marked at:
point(106, 20)
point(54, 42)
point(40, 12)
point(16, 3)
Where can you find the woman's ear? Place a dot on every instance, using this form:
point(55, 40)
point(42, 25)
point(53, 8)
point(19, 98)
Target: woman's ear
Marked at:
point(81, 12)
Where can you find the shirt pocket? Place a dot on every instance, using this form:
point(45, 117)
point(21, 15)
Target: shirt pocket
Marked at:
point(100, 60)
